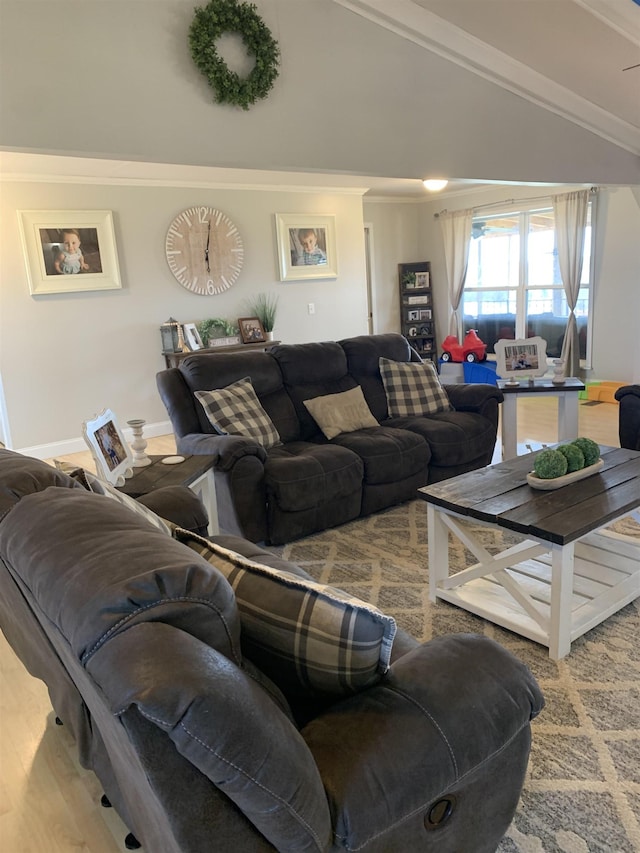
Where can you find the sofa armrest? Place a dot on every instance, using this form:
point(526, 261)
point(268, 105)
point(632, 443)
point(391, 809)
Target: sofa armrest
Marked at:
point(179, 505)
point(450, 720)
point(227, 448)
point(233, 728)
point(473, 396)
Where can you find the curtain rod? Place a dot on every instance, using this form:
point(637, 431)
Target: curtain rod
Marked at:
point(511, 201)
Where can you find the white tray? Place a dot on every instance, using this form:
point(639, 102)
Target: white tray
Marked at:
point(566, 479)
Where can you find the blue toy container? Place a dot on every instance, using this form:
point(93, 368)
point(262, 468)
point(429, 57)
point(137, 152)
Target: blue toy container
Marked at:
point(481, 372)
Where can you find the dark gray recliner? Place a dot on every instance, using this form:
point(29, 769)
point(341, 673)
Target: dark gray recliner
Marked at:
point(196, 747)
point(629, 416)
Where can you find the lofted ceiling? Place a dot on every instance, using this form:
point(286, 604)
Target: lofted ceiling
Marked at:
point(566, 55)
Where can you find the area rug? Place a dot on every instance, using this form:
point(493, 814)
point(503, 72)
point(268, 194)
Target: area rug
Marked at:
point(582, 792)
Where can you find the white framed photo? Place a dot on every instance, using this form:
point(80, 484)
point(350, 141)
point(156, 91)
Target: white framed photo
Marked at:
point(422, 279)
point(520, 359)
point(306, 246)
point(110, 451)
point(67, 251)
point(191, 336)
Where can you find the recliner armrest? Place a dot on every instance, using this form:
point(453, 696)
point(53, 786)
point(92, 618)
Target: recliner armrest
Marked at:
point(472, 396)
point(227, 448)
point(450, 719)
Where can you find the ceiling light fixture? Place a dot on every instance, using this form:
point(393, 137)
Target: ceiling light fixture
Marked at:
point(435, 185)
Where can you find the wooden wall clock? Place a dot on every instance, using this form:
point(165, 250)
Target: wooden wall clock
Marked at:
point(204, 250)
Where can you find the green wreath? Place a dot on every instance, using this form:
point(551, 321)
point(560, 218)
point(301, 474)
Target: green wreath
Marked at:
point(221, 16)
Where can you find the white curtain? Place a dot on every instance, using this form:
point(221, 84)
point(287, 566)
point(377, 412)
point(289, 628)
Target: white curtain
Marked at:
point(456, 236)
point(570, 212)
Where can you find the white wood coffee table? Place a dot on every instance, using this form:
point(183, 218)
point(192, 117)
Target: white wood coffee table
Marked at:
point(567, 576)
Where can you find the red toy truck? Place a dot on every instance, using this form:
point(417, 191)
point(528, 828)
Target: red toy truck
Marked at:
point(471, 349)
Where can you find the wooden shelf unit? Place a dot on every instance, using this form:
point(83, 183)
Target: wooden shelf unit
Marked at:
point(416, 308)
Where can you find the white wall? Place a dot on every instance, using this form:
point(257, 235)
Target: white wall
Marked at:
point(395, 228)
point(65, 357)
point(616, 306)
point(351, 97)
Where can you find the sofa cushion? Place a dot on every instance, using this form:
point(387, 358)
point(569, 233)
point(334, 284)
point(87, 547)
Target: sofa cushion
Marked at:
point(343, 412)
point(309, 638)
point(388, 455)
point(412, 389)
point(454, 438)
point(236, 410)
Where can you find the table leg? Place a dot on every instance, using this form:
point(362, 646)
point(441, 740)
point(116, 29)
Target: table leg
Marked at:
point(568, 416)
point(438, 545)
point(510, 426)
point(205, 488)
point(562, 558)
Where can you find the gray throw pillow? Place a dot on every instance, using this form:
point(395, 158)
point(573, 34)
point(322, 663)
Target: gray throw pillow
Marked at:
point(412, 389)
point(236, 410)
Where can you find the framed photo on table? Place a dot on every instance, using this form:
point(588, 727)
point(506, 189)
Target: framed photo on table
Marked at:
point(68, 251)
point(110, 451)
point(306, 246)
point(191, 336)
point(520, 359)
point(251, 330)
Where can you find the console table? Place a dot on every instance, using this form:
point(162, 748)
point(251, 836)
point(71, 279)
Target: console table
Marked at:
point(567, 394)
point(196, 472)
point(173, 359)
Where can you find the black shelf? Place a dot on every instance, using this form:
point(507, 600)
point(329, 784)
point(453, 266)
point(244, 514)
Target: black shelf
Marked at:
point(416, 308)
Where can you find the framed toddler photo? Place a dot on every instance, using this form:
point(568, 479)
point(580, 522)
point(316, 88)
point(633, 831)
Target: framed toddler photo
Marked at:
point(306, 246)
point(67, 251)
point(110, 451)
point(422, 279)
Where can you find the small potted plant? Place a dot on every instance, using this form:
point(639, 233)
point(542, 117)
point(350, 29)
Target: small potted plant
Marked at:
point(264, 306)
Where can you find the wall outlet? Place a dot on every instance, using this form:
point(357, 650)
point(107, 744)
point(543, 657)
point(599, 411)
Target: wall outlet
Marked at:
point(312, 307)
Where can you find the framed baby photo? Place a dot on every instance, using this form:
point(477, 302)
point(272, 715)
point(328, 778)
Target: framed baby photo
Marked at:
point(306, 246)
point(110, 451)
point(67, 251)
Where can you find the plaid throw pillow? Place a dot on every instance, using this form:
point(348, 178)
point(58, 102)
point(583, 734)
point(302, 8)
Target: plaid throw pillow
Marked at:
point(310, 639)
point(412, 389)
point(236, 410)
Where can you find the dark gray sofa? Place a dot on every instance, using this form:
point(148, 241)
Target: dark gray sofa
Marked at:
point(139, 642)
point(308, 483)
point(628, 396)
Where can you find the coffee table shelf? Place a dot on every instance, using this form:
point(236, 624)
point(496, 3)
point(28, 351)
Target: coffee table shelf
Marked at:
point(567, 575)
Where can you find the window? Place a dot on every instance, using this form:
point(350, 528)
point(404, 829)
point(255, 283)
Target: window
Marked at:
point(514, 288)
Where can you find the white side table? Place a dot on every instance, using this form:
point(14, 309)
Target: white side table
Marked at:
point(567, 395)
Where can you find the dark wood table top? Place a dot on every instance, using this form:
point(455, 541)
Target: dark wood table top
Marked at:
point(158, 475)
point(541, 386)
point(499, 494)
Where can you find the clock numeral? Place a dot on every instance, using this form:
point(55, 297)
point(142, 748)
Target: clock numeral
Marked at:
point(202, 215)
point(210, 287)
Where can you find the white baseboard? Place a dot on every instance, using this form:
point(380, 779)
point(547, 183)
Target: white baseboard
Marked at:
point(77, 445)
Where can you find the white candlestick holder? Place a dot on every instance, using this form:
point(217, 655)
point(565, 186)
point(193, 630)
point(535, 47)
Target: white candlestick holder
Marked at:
point(139, 444)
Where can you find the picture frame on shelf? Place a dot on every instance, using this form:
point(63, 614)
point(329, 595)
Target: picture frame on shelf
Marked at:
point(306, 246)
point(422, 280)
point(413, 316)
point(521, 359)
point(69, 251)
point(192, 337)
point(251, 330)
point(425, 314)
point(111, 453)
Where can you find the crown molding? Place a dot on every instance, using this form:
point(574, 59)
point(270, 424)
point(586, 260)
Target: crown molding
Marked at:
point(412, 22)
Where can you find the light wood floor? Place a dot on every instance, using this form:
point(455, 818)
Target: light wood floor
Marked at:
point(48, 803)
